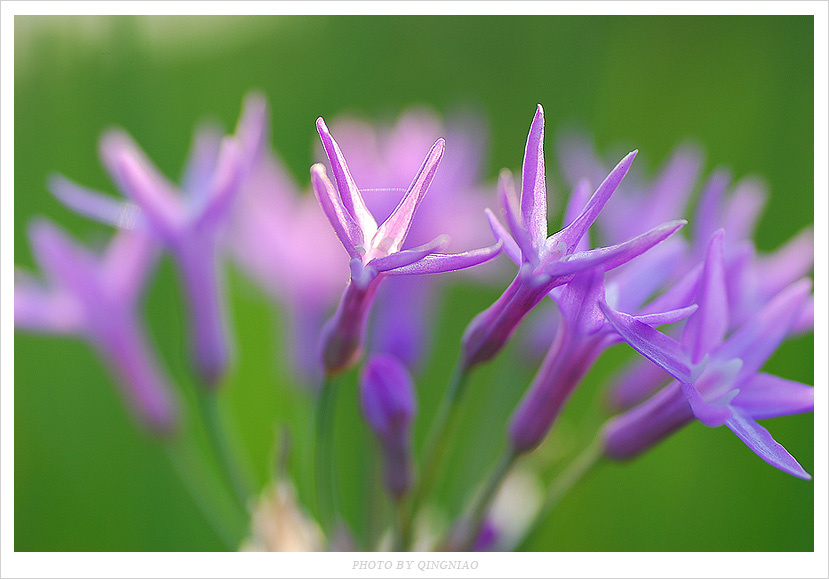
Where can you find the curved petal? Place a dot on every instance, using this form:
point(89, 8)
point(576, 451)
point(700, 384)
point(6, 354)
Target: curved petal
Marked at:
point(95, 205)
point(444, 262)
point(347, 230)
point(706, 329)
point(510, 246)
point(767, 396)
point(408, 256)
point(534, 183)
point(760, 441)
point(507, 198)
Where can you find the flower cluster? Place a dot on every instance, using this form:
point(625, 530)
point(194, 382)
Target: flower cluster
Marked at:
point(369, 235)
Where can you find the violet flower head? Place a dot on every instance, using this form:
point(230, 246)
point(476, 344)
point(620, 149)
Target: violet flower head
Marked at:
point(375, 250)
point(717, 377)
point(388, 403)
point(582, 337)
point(545, 262)
point(186, 221)
point(94, 297)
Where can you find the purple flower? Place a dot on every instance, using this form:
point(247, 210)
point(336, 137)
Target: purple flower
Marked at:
point(187, 222)
point(582, 336)
point(382, 159)
point(545, 262)
point(717, 378)
point(751, 280)
point(94, 297)
point(388, 403)
point(375, 251)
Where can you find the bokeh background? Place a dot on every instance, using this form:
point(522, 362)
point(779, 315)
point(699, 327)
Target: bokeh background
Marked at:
point(742, 87)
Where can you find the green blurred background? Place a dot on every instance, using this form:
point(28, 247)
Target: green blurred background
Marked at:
point(86, 478)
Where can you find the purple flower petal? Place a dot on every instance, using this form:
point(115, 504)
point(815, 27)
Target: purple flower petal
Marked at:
point(669, 317)
point(138, 178)
point(759, 337)
point(510, 246)
point(706, 329)
point(709, 414)
point(201, 162)
point(443, 262)
point(95, 205)
point(347, 230)
point(350, 195)
point(408, 256)
point(224, 184)
point(127, 261)
point(40, 309)
point(707, 218)
point(787, 264)
point(534, 183)
point(668, 195)
point(767, 396)
point(578, 200)
point(572, 234)
point(760, 441)
point(743, 208)
point(654, 345)
point(253, 128)
point(387, 395)
point(392, 233)
point(615, 255)
point(507, 198)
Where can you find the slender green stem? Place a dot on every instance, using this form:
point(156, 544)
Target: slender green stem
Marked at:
point(403, 524)
point(221, 448)
point(441, 432)
point(565, 481)
point(484, 501)
point(324, 440)
point(196, 484)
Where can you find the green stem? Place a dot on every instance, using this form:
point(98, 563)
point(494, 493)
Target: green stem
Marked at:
point(565, 481)
point(221, 448)
point(441, 432)
point(197, 487)
point(403, 522)
point(484, 500)
point(324, 429)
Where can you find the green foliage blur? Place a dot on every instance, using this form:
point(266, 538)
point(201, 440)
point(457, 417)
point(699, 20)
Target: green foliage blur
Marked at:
point(86, 478)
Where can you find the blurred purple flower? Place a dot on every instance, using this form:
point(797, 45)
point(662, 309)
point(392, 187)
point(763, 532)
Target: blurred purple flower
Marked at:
point(718, 378)
point(388, 403)
point(187, 222)
point(94, 297)
point(545, 262)
point(375, 251)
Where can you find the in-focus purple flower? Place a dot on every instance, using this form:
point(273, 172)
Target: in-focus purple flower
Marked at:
point(186, 221)
point(582, 336)
point(382, 158)
point(375, 251)
point(545, 262)
point(751, 280)
point(717, 378)
point(94, 297)
point(388, 403)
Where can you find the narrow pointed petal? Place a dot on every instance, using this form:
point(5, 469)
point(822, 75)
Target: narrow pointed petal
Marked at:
point(767, 396)
point(759, 337)
point(572, 234)
point(61, 259)
point(350, 195)
point(444, 262)
point(142, 182)
point(534, 183)
point(347, 230)
point(669, 317)
point(680, 294)
point(805, 321)
point(743, 209)
point(253, 128)
point(706, 329)
point(760, 441)
point(98, 206)
point(392, 233)
point(707, 218)
point(510, 246)
point(224, 184)
point(409, 256)
point(642, 278)
point(201, 162)
point(509, 204)
point(669, 194)
point(608, 258)
point(787, 264)
point(654, 345)
point(709, 414)
point(38, 309)
point(127, 261)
